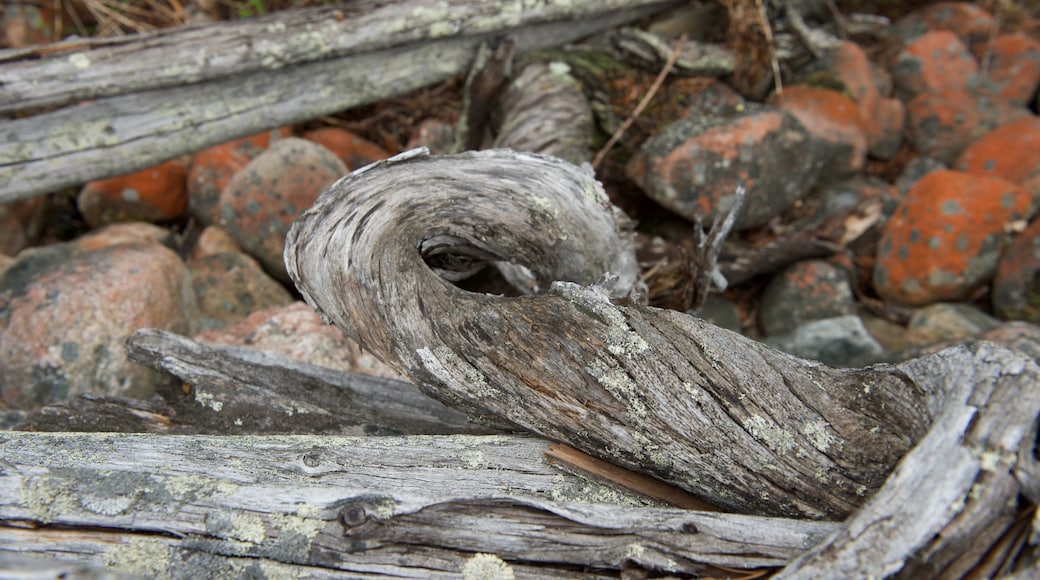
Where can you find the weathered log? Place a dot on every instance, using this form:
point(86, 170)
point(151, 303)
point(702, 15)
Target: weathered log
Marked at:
point(205, 507)
point(152, 97)
point(724, 417)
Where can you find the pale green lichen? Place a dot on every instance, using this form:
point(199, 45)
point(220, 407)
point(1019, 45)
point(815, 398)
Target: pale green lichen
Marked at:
point(473, 459)
point(247, 528)
point(617, 382)
point(777, 439)
point(47, 498)
point(487, 567)
point(144, 557)
point(207, 399)
point(79, 60)
point(819, 436)
point(634, 551)
point(446, 365)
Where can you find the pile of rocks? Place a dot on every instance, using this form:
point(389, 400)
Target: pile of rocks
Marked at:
point(952, 245)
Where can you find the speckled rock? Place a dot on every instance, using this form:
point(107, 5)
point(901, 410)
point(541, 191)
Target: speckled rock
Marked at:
point(212, 169)
point(831, 117)
point(1014, 67)
point(1016, 286)
point(841, 341)
point(435, 135)
point(1021, 336)
point(230, 286)
point(802, 292)
point(265, 197)
point(943, 241)
point(917, 168)
point(353, 150)
point(1009, 152)
point(155, 194)
point(214, 240)
point(128, 233)
point(937, 61)
point(721, 311)
point(950, 321)
point(65, 312)
point(694, 165)
point(881, 118)
point(297, 332)
point(968, 21)
point(942, 124)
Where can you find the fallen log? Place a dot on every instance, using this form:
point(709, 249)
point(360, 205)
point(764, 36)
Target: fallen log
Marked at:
point(934, 453)
point(137, 101)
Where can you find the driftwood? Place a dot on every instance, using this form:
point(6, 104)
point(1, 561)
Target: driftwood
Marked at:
point(724, 417)
point(137, 101)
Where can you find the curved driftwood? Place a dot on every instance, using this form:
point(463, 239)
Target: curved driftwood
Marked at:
point(732, 421)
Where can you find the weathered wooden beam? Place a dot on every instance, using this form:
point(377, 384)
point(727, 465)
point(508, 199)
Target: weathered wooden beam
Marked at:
point(149, 98)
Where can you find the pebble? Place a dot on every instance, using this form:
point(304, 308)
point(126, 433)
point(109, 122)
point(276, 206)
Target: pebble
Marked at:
point(942, 124)
point(1011, 152)
point(1016, 286)
point(212, 169)
point(128, 233)
point(917, 168)
point(881, 118)
point(830, 117)
point(155, 194)
point(1014, 67)
point(937, 61)
point(435, 135)
point(213, 240)
point(353, 151)
point(297, 332)
point(943, 241)
point(841, 341)
point(693, 166)
point(20, 224)
point(946, 321)
point(229, 286)
point(1021, 336)
point(805, 291)
point(262, 200)
point(968, 21)
point(65, 312)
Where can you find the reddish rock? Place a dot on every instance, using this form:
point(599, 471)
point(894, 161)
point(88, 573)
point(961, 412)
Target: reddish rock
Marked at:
point(212, 169)
point(881, 118)
point(805, 291)
point(214, 240)
point(435, 135)
point(20, 223)
point(694, 165)
point(829, 116)
point(1011, 152)
point(943, 124)
point(1016, 286)
point(265, 197)
point(156, 194)
point(354, 151)
point(128, 233)
point(943, 241)
point(937, 61)
point(297, 332)
point(230, 286)
point(65, 312)
point(27, 23)
point(1014, 67)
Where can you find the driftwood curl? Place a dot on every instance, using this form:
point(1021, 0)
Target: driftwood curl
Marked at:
point(728, 419)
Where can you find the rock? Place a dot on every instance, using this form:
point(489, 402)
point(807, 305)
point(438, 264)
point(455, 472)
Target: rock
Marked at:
point(352, 150)
point(65, 312)
point(230, 286)
point(212, 169)
point(153, 195)
point(937, 61)
point(968, 21)
point(128, 233)
point(944, 322)
point(841, 341)
point(20, 223)
point(1016, 286)
point(802, 292)
point(263, 199)
point(1008, 152)
point(881, 118)
point(1014, 67)
point(694, 165)
point(435, 135)
point(831, 117)
point(721, 311)
point(5, 263)
point(943, 124)
point(297, 332)
point(1021, 336)
point(214, 240)
point(893, 338)
point(917, 168)
point(27, 23)
point(943, 241)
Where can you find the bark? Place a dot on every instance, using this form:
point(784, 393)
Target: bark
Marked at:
point(141, 100)
point(203, 507)
point(726, 418)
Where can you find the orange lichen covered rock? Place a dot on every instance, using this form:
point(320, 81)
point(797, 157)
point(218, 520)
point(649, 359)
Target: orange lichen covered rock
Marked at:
point(942, 124)
point(1014, 67)
point(937, 61)
point(945, 238)
point(881, 119)
point(155, 194)
point(352, 149)
point(829, 116)
point(1011, 152)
